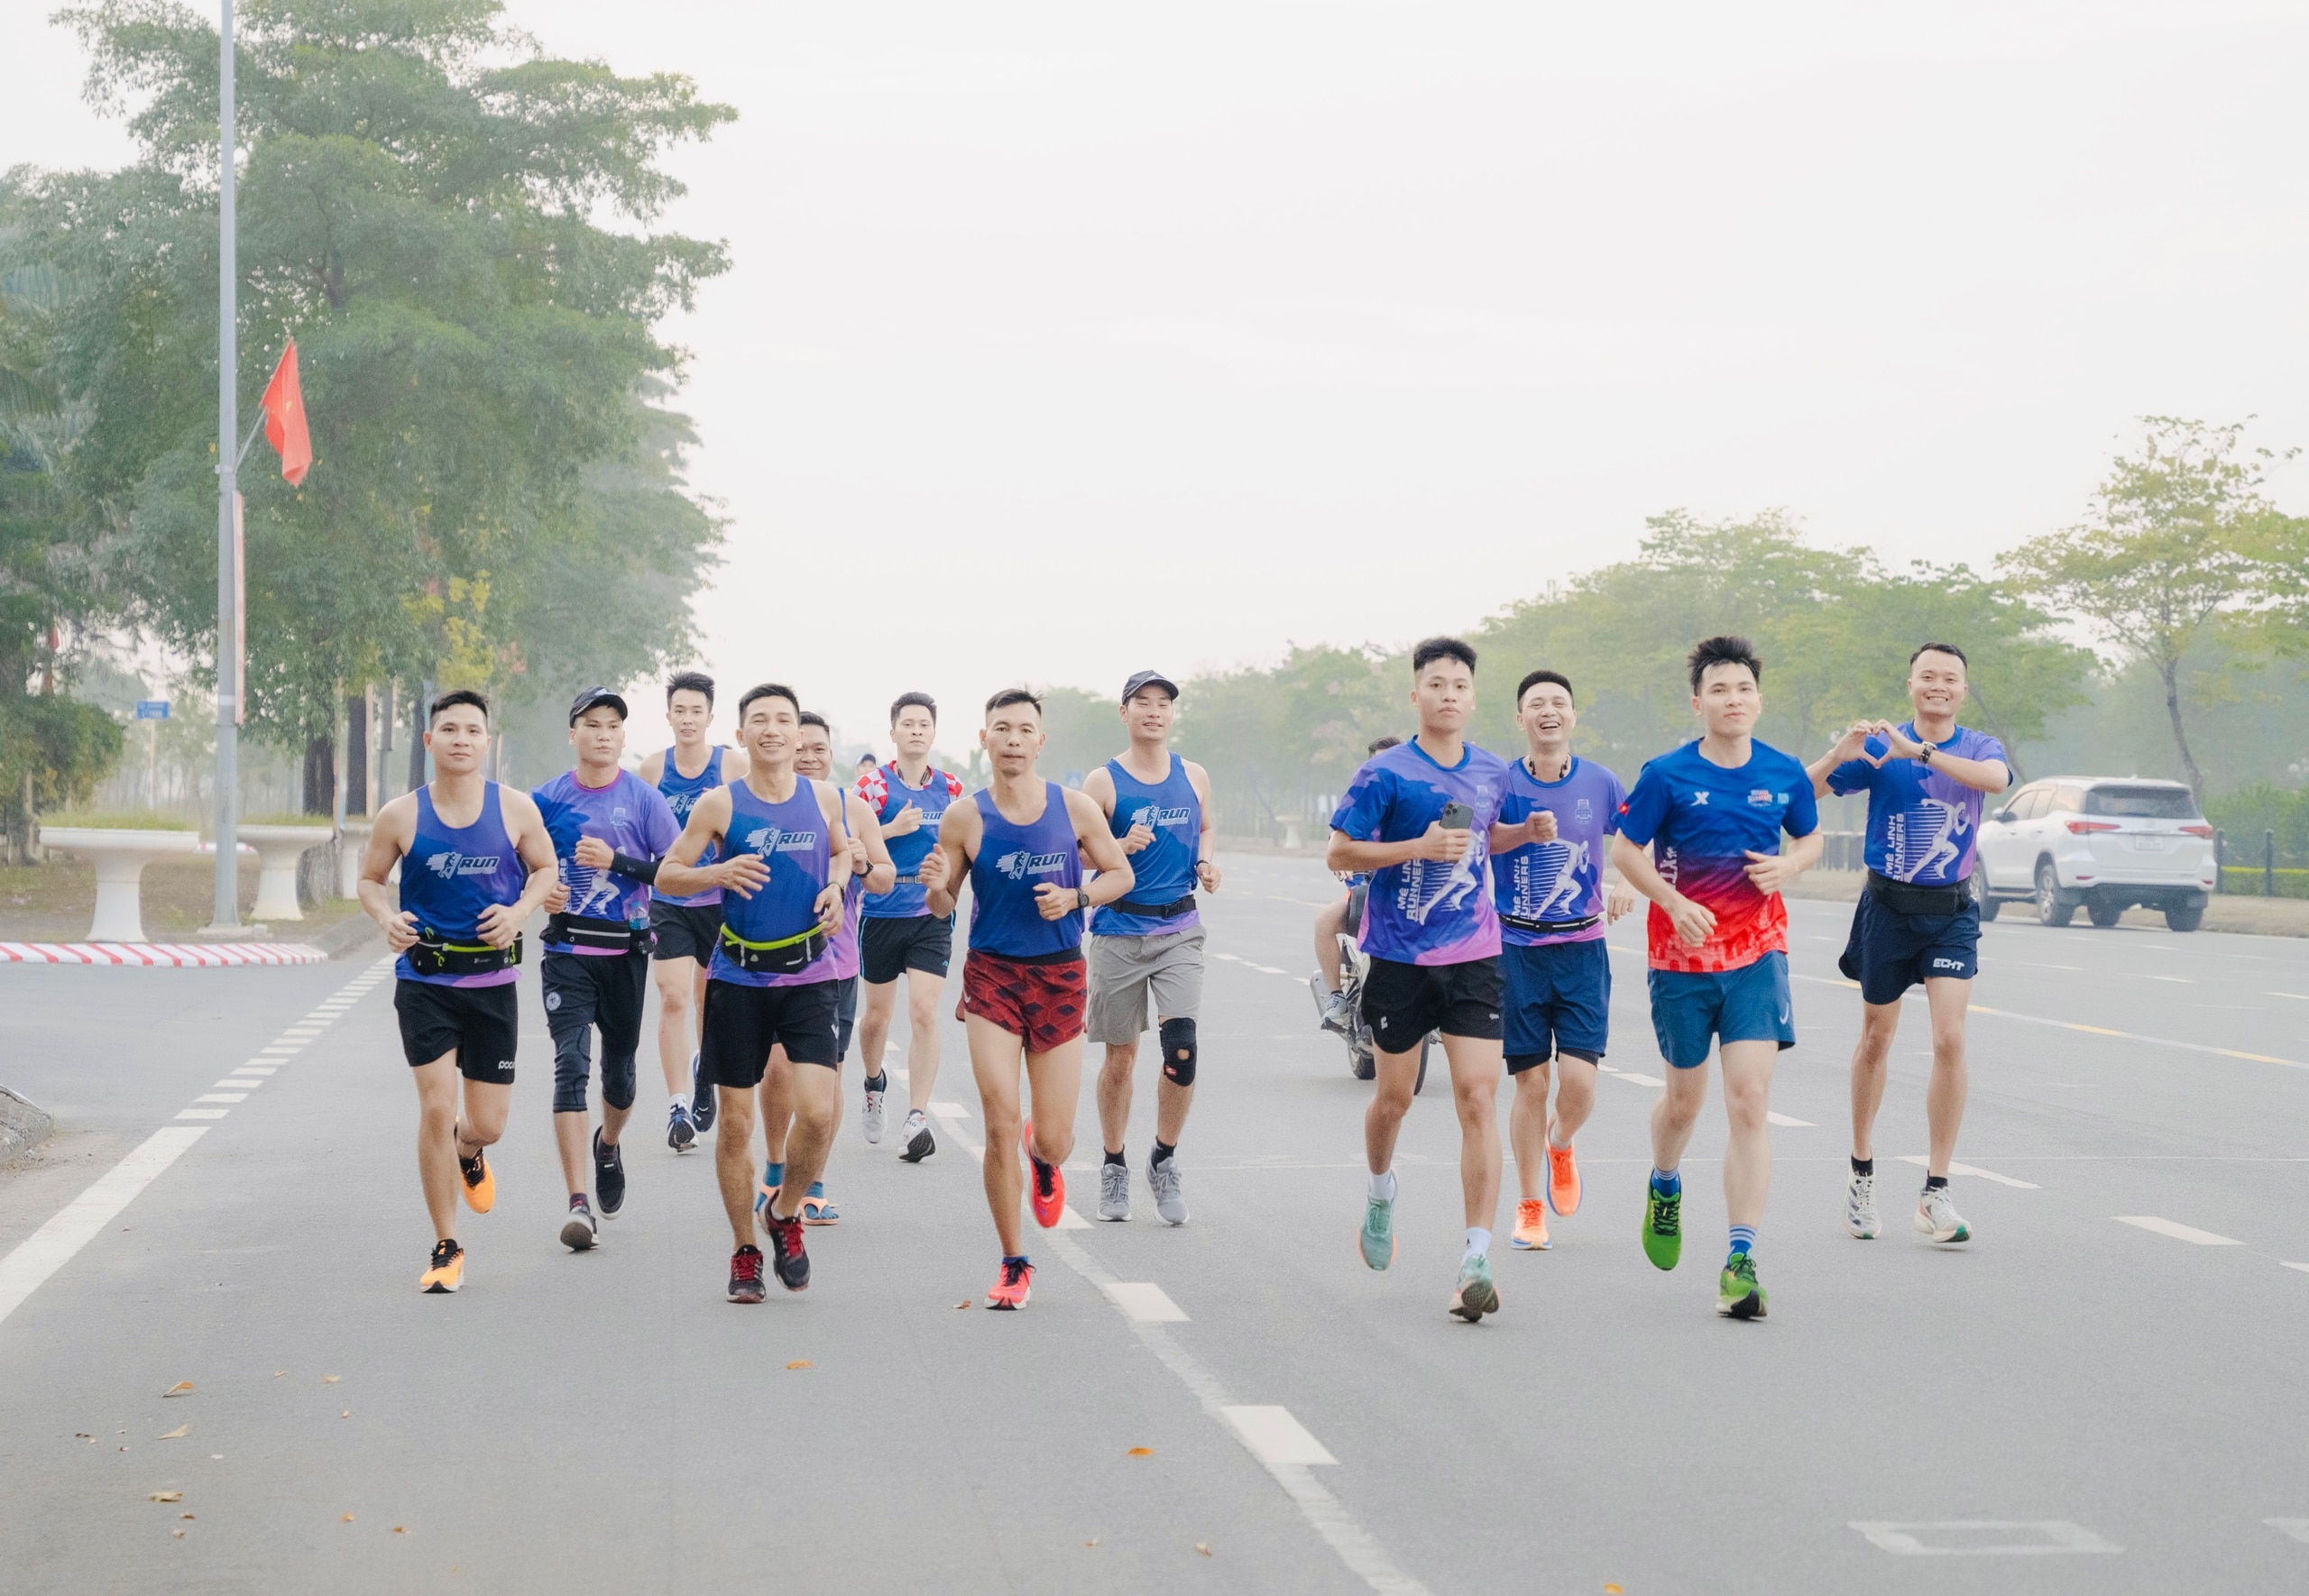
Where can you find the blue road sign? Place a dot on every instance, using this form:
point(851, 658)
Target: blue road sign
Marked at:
point(152, 709)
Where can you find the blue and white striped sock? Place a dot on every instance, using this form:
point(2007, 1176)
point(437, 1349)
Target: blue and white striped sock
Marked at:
point(1743, 1240)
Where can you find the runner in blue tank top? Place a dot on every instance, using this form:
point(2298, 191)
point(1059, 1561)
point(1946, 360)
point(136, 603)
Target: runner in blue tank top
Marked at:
point(686, 924)
point(773, 986)
point(1146, 951)
point(1021, 843)
point(901, 936)
point(476, 864)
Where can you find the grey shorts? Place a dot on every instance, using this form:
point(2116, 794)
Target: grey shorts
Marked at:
point(1125, 972)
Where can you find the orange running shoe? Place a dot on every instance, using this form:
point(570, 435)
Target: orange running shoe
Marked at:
point(1531, 1227)
point(1045, 1183)
point(1015, 1284)
point(1563, 1180)
point(447, 1272)
point(481, 1184)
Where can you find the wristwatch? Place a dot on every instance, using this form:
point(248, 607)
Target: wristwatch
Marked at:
point(1925, 757)
point(1082, 897)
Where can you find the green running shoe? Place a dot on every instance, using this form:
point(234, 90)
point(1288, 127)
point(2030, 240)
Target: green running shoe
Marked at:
point(1475, 1296)
point(1378, 1230)
point(1737, 1295)
point(1663, 1228)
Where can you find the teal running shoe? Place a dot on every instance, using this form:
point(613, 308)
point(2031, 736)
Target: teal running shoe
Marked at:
point(1663, 1228)
point(1737, 1295)
point(1378, 1230)
point(1475, 1296)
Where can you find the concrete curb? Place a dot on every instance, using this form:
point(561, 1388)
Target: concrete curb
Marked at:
point(24, 1124)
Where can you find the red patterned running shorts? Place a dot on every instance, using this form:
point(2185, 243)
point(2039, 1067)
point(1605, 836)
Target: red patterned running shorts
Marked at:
point(1041, 1004)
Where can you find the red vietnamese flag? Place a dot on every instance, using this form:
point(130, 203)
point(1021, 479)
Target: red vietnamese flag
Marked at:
point(284, 418)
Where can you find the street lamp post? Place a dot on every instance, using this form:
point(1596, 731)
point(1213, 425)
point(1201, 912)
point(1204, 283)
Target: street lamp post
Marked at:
point(228, 432)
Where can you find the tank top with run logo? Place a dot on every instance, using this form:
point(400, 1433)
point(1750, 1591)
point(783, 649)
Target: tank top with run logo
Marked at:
point(682, 793)
point(451, 873)
point(1012, 861)
point(791, 838)
point(1165, 869)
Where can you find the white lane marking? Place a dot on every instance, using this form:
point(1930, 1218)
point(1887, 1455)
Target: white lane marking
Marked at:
point(950, 1115)
point(41, 1253)
point(1268, 969)
point(1971, 1172)
point(2296, 996)
point(1642, 1080)
point(2298, 1529)
point(202, 1112)
point(898, 1074)
point(1274, 1436)
point(949, 1111)
point(308, 1032)
point(1230, 958)
point(241, 1083)
point(1146, 1302)
point(2177, 980)
point(281, 1048)
point(1782, 1119)
point(222, 1097)
point(1364, 1556)
point(2019, 1538)
point(2303, 1268)
point(257, 1070)
point(1068, 1219)
point(2179, 1233)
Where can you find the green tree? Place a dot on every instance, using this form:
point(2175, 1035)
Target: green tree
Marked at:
point(422, 207)
point(2169, 544)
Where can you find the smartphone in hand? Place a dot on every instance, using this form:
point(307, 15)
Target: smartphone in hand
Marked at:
point(1457, 816)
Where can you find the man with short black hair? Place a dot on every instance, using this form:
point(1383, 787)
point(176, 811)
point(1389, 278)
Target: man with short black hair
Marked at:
point(686, 927)
point(608, 827)
point(1420, 818)
point(476, 864)
point(1556, 969)
point(1927, 781)
point(1146, 951)
point(1712, 813)
point(772, 984)
point(900, 936)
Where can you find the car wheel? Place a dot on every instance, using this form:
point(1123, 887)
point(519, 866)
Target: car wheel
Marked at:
point(2104, 915)
point(2054, 906)
point(1986, 904)
point(2185, 919)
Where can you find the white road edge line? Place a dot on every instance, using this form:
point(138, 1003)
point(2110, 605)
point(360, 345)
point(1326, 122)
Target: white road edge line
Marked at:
point(2298, 1529)
point(1971, 1172)
point(1274, 1436)
point(2178, 1232)
point(2058, 1536)
point(1777, 1118)
point(2303, 1268)
point(1146, 1302)
point(76, 1224)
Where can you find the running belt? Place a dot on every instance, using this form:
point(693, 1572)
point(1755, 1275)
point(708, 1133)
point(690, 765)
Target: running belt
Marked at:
point(1903, 897)
point(432, 954)
point(1550, 927)
point(1157, 911)
point(581, 930)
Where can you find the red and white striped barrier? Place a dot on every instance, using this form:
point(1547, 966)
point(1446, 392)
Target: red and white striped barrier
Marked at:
point(167, 955)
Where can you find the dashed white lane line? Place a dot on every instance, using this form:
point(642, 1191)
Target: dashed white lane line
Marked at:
point(1266, 969)
point(2178, 1232)
point(1146, 1302)
point(222, 1097)
point(1984, 1537)
point(1971, 1172)
point(2297, 1528)
point(1782, 1119)
point(73, 1227)
point(1274, 1436)
point(952, 1115)
point(949, 1111)
point(202, 1112)
point(2303, 1268)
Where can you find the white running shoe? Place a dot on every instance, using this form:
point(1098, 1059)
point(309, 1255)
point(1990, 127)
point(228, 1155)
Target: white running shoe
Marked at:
point(1936, 1217)
point(1114, 1193)
point(1860, 1207)
point(872, 1118)
point(1330, 1007)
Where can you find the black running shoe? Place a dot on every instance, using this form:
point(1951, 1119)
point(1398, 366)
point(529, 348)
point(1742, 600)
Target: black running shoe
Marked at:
point(608, 1176)
point(745, 1275)
point(919, 1142)
point(701, 1099)
point(792, 1263)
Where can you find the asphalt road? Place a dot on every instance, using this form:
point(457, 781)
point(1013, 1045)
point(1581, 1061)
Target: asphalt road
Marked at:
point(2074, 1402)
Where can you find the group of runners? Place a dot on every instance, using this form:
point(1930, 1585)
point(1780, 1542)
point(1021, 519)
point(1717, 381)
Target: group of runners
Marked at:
point(760, 891)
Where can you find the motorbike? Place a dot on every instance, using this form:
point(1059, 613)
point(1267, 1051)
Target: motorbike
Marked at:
point(1361, 1056)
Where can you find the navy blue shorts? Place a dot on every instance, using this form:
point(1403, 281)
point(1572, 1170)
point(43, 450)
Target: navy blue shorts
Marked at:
point(1691, 1008)
point(1558, 1000)
point(1890, 951)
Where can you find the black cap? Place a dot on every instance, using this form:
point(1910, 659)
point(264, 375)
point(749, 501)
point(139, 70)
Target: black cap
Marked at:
point(597, 695)
point(1148, 679)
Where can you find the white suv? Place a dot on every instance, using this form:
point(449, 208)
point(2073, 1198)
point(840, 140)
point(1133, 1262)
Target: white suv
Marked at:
point(2099, 843)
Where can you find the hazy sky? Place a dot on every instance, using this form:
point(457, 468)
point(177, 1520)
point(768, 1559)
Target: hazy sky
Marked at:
point(1067, 339)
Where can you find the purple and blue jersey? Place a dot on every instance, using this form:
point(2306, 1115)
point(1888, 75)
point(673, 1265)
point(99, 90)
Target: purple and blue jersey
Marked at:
point(1552, 883)
point(629, 814)
point(884, 790)
point(1922, 825)
point(1426, 911)
point(681, 794)
point(1702, 821)
point(451, 874)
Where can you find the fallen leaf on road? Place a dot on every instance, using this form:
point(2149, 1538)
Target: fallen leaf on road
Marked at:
point(346, 1414)
point(277, 1374)
point(178, 1532)
point(1612, 1591)
point(400, 1529)
point(183, 1388)
point(347, 1518)
point(965, 1302)
point(82, 1435)
point(177, 1433)
point(331, 1378)
point(1140, 1452)
point(1204, 1548)
point(1091, 1542)
point(124, 1449)
point(184, 1515)
point(799, 1363)
point(166, 1496)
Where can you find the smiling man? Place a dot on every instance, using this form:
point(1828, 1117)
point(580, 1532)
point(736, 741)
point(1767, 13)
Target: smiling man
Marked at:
point(1699, 836)
point(1928, 780)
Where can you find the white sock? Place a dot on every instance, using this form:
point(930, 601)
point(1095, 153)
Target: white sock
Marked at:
point(1479, 1241)
point(1383, 1187)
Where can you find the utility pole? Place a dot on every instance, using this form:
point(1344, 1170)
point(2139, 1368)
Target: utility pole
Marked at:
point(228, 436)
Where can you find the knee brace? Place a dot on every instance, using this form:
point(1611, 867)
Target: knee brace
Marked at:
point(1178, 1051)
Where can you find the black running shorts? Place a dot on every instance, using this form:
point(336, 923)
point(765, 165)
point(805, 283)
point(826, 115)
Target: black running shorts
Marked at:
point(924, 942)
point(585, 992)
point(1403, 1001)
point(480, 1025)
point(743, 1023)
point(685, 930)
